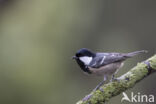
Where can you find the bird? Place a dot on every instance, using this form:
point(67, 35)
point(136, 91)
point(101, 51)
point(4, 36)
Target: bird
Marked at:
point(104, 64)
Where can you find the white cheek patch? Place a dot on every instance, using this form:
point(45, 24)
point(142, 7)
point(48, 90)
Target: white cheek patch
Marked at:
point(86, 60)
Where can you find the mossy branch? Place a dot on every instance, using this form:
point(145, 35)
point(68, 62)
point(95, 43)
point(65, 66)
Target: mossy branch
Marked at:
point(127, 81)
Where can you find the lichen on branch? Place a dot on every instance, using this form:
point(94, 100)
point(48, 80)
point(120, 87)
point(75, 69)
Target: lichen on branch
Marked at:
point(128, 80)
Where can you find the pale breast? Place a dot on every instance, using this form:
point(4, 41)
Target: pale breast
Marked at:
point(107, 69)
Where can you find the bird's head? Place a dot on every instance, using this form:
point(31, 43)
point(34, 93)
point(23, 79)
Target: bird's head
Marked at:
point(84, 55)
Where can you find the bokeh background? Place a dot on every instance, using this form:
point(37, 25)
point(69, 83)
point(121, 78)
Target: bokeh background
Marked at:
point(39, 37)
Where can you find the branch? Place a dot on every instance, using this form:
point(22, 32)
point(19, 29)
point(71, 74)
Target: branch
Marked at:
point(127, 81)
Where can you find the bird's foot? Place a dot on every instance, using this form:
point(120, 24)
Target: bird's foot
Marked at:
point(115, 79)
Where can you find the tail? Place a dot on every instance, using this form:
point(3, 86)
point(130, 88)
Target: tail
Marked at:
point(131, 54)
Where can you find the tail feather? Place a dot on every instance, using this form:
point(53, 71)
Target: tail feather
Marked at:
point(131, 54)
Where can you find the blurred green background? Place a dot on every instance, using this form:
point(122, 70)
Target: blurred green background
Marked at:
point(39, 37)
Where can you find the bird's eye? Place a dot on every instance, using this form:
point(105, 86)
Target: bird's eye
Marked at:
point(78, 54)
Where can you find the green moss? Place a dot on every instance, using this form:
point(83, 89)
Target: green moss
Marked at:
point(114, 88)
point(152, 62)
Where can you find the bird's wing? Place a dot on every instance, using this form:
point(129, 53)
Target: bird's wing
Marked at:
point(103, 59)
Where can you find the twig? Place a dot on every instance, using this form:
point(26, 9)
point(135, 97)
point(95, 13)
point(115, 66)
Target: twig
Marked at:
point(127, 81)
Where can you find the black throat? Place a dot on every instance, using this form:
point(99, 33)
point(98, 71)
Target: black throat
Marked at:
point(83, 66)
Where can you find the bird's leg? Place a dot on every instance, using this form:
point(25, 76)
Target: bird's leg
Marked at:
point(113, 78)
point(100, 84)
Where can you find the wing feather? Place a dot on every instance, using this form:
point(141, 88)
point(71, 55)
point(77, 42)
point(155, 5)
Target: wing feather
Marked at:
point(103, 59)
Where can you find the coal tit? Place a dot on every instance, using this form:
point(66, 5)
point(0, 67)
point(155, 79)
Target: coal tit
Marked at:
point(102, 64)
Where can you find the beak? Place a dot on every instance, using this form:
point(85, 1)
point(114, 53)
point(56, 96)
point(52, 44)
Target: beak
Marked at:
point(74, 57)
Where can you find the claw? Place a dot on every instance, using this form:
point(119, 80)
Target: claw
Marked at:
point(115, 79)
